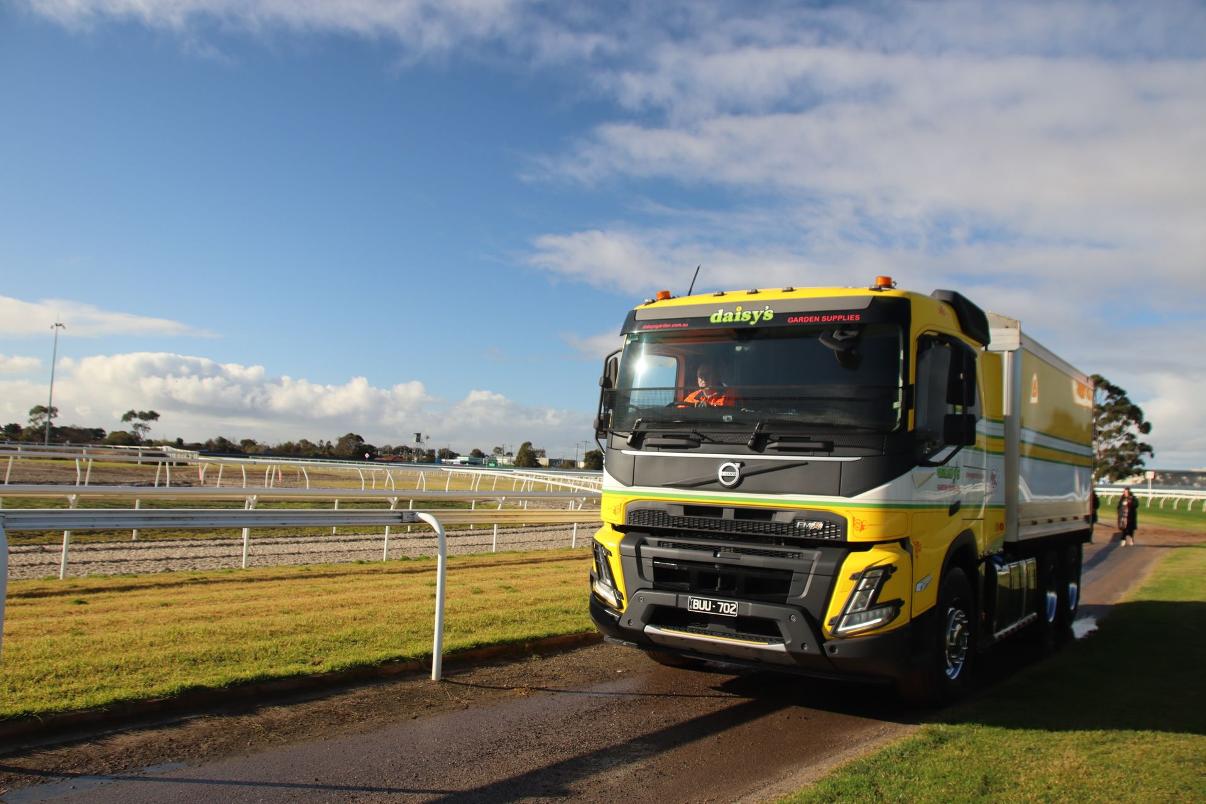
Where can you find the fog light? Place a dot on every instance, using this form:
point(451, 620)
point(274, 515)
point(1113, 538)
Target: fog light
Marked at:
point(871, 618)
point(609, 595)
point(860, 612)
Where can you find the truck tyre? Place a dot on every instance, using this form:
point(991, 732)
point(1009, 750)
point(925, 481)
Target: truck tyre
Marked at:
point(1070, 567)
point(942, 674)
point(1046, 631)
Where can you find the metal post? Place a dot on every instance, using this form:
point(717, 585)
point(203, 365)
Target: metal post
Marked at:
point(437, 648)
point(3, 579)
point(218, 484)
point(494, 544)
point(574, 536)
point(393, 506)
point(307, 474)
point(72, 501)
point(9, 470)
point(158, 469)
point(333, 528)
point(88, 473)
point(167, 474)
point(134, 533)
point(54, 357)
point(248, 505)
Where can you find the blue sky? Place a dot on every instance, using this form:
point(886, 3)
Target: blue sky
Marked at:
point(286, 220)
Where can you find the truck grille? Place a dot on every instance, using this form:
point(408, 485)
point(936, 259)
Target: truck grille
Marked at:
point(805, 525)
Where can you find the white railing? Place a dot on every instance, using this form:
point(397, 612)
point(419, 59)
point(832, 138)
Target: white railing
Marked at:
point(1150, 496)
point(43, 519)
point(574, 514)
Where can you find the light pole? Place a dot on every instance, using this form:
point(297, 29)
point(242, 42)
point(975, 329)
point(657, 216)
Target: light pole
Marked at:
point(54, 356)
point(577, 446)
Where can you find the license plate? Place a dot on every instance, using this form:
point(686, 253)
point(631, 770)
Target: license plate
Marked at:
point(707, 605)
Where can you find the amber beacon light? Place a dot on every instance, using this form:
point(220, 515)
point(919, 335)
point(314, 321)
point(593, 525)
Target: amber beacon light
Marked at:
point(662, 295)
point(884, 283)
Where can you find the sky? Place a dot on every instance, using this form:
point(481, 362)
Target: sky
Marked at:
point(285, 220)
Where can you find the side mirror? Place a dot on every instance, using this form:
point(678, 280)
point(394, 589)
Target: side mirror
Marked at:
point(611, 372)
point(959, 429)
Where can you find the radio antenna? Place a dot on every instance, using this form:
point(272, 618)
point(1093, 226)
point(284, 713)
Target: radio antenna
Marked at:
point(697, 267)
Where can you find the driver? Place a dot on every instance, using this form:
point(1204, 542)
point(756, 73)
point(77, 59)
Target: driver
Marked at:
point(712, 391)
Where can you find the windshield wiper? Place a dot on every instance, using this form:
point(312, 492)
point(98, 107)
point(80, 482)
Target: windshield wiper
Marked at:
point(760, 440)
point(667, 436)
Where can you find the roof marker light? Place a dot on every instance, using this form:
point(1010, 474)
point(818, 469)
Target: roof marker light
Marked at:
point(662, 295)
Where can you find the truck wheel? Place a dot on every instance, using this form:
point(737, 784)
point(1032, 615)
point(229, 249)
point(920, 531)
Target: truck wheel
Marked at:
point(1070, 568)
point(1046, 631)
point(942, 676)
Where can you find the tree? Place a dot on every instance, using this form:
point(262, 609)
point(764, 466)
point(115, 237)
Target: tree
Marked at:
point(350, 445)
point(476, 453)
point(526, 456)
point(12, 431)
point(38, 416)
point(122, 438)
point(1117, 424)
point(593, 459)
point(139, 419)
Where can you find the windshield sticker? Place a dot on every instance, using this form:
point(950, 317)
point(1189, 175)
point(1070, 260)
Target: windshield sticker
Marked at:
point(737, 315)
point(667, 325)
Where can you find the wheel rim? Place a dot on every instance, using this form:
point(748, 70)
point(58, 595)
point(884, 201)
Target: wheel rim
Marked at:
point(955, 642)
point(1052, 605)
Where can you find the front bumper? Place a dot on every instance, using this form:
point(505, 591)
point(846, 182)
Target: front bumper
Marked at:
point(650, 623)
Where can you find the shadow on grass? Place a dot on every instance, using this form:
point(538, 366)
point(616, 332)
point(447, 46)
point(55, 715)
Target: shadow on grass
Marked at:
point(1141, 671)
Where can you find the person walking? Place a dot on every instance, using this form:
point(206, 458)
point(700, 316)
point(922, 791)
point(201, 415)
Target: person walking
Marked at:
point(1128, 516)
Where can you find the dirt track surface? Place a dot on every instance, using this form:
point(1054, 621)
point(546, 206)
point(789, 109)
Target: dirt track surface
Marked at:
point(597, 723)
point(111, 558)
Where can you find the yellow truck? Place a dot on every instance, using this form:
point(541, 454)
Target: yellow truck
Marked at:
point(862, 483)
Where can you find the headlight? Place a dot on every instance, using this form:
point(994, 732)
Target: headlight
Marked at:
point(603, 583)
point(861, 613)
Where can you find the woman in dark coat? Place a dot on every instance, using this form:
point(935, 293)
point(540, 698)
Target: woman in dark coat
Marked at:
point(1128, 516)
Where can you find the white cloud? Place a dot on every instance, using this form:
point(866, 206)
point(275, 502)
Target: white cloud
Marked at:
point(19, 317)
point(199, 398)
point(17, 364)
point(595, 347)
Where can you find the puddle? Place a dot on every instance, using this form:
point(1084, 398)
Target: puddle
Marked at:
point(80, 784)
point(1083, 627)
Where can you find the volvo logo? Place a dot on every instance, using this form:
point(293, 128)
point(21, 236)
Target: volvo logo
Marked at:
point(729, 474)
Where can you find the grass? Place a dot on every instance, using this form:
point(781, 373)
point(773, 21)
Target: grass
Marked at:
point(1194, 521)
point(78, 644)
point(1117, 717)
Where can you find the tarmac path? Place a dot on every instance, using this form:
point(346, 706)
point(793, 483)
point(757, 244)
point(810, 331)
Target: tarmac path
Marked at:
point(596, 723)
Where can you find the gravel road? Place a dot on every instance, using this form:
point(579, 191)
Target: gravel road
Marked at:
point(110, 558)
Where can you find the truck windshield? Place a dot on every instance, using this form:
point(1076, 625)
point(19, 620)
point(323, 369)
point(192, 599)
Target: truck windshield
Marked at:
point(818, 378)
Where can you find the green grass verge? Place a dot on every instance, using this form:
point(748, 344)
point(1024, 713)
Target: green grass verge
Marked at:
point(78, 644)
point(1194, 521)
point(1117, 717)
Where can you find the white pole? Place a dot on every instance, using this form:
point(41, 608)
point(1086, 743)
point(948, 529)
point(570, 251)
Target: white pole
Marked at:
point(333, 528)
point(72, 501)
point(88, 473)
point(494, 544)
point(248, 505)
point(134, 533)
point(437, 648)
point(218, 484)
point(574, 536)
point(393, 506)
point(3, 578)
point(307, 474)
